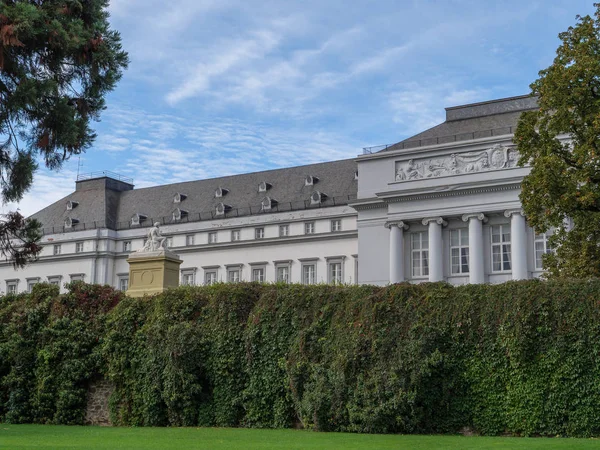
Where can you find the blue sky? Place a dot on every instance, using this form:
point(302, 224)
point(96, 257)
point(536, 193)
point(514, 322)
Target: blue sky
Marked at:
point(218, 87)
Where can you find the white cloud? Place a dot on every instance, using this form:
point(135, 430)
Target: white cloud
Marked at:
point(419, 106)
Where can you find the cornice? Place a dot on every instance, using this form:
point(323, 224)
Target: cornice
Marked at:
point(441, 194)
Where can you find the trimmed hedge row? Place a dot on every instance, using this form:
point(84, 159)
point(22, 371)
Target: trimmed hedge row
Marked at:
point(520, 358)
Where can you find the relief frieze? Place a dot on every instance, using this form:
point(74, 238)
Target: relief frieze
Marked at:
point(495, 158)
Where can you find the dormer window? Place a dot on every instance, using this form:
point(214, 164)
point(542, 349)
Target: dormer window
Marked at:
point(70, 223)
point(221, 209)
point(137, 219)
point(316, 198)
point(310, 180)
point(221, 192)
point(264, 186)
point(71, 205)
point(179, 198)
point(267, 203)
point(178, 214)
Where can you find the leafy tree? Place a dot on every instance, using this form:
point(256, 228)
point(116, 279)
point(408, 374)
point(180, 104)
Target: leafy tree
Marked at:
point(561, 142)
point(58, 60)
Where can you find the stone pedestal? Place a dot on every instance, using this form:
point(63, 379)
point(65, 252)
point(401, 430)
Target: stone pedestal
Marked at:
point(152, 272)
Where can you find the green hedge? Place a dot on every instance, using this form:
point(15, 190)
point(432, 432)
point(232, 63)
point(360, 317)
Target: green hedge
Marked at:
point(520, 358)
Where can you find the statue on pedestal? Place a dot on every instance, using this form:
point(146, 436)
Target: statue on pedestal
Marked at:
point(155, 241)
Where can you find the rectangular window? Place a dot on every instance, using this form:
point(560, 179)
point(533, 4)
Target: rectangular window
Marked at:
point(123, 284)
point(188, 276)
point(258, 274)
point(77, 276)
point(309, 228)
point(169, 242)
point(78, 247)
point(233, 275)
point(189, 240)
point(212, 237)
point(236, 235)
point(419, 246)
point(259, 233)
point(336, 225)
point(501, 248)
point(284, 230)
point(542, 247)
point(57, 249)
point(126, 246)
point(309, 273)
point(459, 251)
point(335, 272)
point(11, 286)
point(54, 280)
point(31, 283)
point(210, 277)
point(283, 274)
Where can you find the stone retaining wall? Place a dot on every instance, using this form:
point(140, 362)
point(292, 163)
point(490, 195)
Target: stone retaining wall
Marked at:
point(97, 405)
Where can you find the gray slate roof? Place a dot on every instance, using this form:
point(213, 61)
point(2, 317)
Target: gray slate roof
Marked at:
point(473, 121)
point(104, 202)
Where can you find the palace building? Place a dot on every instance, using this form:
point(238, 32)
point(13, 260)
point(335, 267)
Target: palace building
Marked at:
point(440, 206)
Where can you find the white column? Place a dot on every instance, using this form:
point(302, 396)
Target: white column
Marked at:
point(476, 263)
point(436, 251)
point(518, 244)
point(396, 250)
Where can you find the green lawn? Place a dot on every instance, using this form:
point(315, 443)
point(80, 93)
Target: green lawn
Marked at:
point(15, 437)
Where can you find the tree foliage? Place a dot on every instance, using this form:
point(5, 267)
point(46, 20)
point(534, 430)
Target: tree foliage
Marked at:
point(58, 60)
point(561, 142)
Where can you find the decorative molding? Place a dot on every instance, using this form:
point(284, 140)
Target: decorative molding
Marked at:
point(510, 212)
point(399, 223)
point(438, 220)
point(258, 263)
point(495, 158)
point(408, 198)
point(478, 216)
point(211, 267)
point(339, 257)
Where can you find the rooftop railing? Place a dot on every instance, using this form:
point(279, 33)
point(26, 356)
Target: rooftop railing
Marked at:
point(102, 174)
point(415, 143)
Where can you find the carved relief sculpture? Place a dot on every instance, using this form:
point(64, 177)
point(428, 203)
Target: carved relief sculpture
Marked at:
point(494, 158)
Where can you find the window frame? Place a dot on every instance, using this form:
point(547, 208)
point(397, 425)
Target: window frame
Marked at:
point(79, 247)
point(543, 239)
point(57, 249)
point(259, 233)
point(235, 233)
point(337, 222)
point(77, 277)
point(285, 227)
point(501, 244)
point(421, 251)
point(306, 263)
point(190, 239)
point(233, 269)
point(54, 280)
point(213, 237)
point(188, 272)
point(283, 265)
point(212, 274)
point(12, 283)
point(31, 282)
point(460, 247)
point(127, 246)
point(123, 279)
point(309, 227)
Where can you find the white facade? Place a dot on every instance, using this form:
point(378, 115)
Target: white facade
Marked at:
point(445, 212)
point(437, 207)
point(331, 255)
